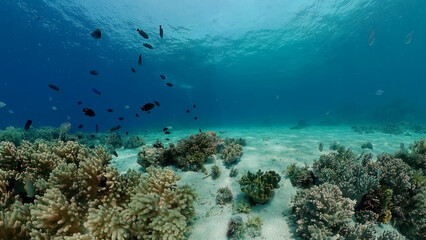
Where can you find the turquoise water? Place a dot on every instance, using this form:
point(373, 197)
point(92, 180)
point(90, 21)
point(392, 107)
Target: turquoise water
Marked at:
point(240, 62)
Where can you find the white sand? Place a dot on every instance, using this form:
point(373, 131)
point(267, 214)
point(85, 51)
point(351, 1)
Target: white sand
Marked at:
point(271, 148)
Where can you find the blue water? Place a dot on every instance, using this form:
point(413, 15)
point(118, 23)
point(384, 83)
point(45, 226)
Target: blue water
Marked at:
point(241, 62)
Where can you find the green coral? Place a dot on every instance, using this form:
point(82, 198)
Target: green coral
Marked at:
point(254, 226)
point(259, 187)
point(215, 172)
point(236, 228)
point(232, 153)
point(224, 196)
point(300, 176)
point(242, 207)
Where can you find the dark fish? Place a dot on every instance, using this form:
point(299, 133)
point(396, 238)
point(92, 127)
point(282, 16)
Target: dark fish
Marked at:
point(195, 118)
point(97, 33)
point(97, 128)
point(187, 111)
point(147, 107)
point(161, 31)
point(133, 70)
point(165, 129)
point(80, 126)
point(149, 112)
point(169, 84)
point(194, 106)
point(140, 60)
point(89, 112)
point(147, 45)
point(157, 103)
point(28, 125)
point(167, 139)
point(162, 77)
point(127, 133)
point(321, 147)
point(110, 110)
point(96, 91)
point(79, 102)
point(137, 115)
point(121, 118)
point(93, 136)
point(54, 87)
point(199, 129)
point(114, 128)
point(94, 72)
point(166, 132)
point(115, 153)
point(142, 33)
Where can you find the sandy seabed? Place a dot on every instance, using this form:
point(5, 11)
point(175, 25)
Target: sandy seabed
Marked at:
point(268, 148)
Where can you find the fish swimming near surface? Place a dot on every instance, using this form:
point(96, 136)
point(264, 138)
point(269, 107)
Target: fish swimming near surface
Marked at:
point(169, 84)
point(137, 115)
point(96, 91)
point(126, 107)
point(2, 104)
point(147, 107)
point(372, 38)
point(149, 46)
point(409, 37)
point(162, 76)
point(133, 70)
point(166, 132)
point(194, 106)
point(115, 153)
point(79, 102)
point(379, 92)
point(96, 34)
point(54, 87)
point(321, 147)
point(161, 31)
point(187, 111)
point(80, 126)
point(110, 110)
point(54, 108)
point(127, 133)
point(157, 103)
point(195, 118)
point(121, 118)
point(142, 33)
point(89, 112)
point(140, 60)
point(97, 128)
point(167, 139)
point(114, 128)
point(28, 125)
point(92, 135)
point(10, 111)
point(94, 73)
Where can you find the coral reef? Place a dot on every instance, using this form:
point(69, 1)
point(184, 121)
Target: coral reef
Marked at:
point(242, 207)
point(233, 172)
point(321, 211)
point(367, 145)
point(259, 187)
point(232, 153)
point(215, 172)
point(239, 141)
point(13, 135)
point(254, 226)
point(114, 140)
point(133, 142)
point(359, 232)
point(236, 228)
point(390, 235)
point(300, 176)
point(224, 196)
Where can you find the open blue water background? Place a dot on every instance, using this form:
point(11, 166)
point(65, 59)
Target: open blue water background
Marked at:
point(241, 62)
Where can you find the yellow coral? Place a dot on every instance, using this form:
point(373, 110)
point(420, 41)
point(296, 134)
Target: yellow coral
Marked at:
point(107, 222)
point(13, 222)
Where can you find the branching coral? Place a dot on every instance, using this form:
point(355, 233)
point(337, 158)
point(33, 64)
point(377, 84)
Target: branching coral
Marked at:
point(390, 235)
point(232, 153)
point(259, 187)
point(107, 222)
point(300, 176)
point(321, 211)
point(254, 226)
point(133, 142)
point(13, 135)
point(360, 232)
point(150, 156)
point(224, 196)
point(13, 222)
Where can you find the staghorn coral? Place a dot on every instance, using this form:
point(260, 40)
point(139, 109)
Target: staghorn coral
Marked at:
point(133, 142)
point(416, 156)
point(390, 235)
point(254, 226)
point(233, 172)
point(13, 222)
point(150, 156)
point(239, 141)
point(107, 222)
point(6, 194)
point(359, 232)
point(224, 196)
point(259, 187)
point(232, 153)
point(321, 211)
point(242, 207)
point(300, 176)
point(215, 172)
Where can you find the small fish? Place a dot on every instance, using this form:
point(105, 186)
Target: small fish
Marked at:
point(28, 125)
point(187, 111)
point(133, 70)
point(50, 99)
point(162, 77)
point(199, 130)
point(321, 147)
point(137, 115)
point(54, 108)
point(65, 127)
point(157, 103)
point(110, 110)
point(149, 112)
point(147, 107)
point(89, 112)
point(140, 60)
point(114, 128)
point(379, 92)
point(11, 111)
point(94, 73)
point(2, 104)
point(96, 91)
point(127, 133)
point(80, 126)
point(115, 153)
point(97, 128)
point(54, 87)
point(165, 129)
point(126, 107)
point(409, 37)
point(96, 34)
point(195, 118)
point(68, 117)
point(29, 187)
point(149, 46)
point(194, 106)
point(169, 84)
point(167, 139)
point(372, 38)
point(166, 132)
point(79, 102)
point(121, 118)
point(92, 135)
point(161, 31)
point(142, 33)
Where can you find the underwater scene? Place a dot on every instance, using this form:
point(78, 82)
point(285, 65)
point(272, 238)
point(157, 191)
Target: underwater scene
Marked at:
point(213, 119)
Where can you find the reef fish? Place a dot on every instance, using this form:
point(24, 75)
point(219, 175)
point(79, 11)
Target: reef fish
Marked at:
point(96, 34)
point(409, 37)
point(94, 72)
point(127, 133)
point(121, 118)
point(137, 115)
point(110, 110)
point(79, 102)
point(115, 153)
point(147, 107)
point(379, 92)
point(372, 38)
point(157, 103)
point(65, 127)
point(114, 128)
point(162, 77)
point(169, 84)
point(97, 128)
point(161, 31)
point(29, 187)
point(133, 70)
point(54, 87)
point(2, 104)
point(89, 112)
point(54, 108)
point(195, 118)
point(142, 33)
point(127, 107)
point(140, 60)
point(149, 46)
point(321, 147)
point(80, 126)
point(194, 106)
point(28, 125)
point(96, 91)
